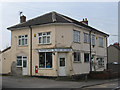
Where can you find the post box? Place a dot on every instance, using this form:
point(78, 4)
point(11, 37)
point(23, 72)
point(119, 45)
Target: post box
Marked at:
point(36, 69)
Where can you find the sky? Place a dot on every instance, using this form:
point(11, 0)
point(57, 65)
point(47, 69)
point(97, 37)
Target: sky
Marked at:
point(101, 15)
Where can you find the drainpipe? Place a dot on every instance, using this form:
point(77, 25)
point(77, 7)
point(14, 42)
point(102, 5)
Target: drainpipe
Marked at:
point(30, 50)
point(90, 51)
point(107, 51)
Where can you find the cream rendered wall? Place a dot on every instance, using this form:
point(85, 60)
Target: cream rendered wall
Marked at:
point(35, 55)
point(20, 50)
point(64, 38)
point(6, 61)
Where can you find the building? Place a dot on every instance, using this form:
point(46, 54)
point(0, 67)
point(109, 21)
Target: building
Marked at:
point(56, 45)
point(114, 53)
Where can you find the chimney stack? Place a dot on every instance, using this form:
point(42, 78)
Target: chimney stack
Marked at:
point(116, 44)
point(22, 19)
point(85, 21)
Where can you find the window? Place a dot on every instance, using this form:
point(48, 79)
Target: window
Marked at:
point(44, 38)
point(20, 61)
point(101, 61)
point(93, 39)
point(86, 57)
point(77, 56)
point(86, 38)
point(45, 60)
point(76, 36)
point(23, 40)
point(100, 42)
point(62, 62)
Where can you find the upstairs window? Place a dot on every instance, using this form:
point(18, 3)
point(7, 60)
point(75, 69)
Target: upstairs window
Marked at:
point(44, 38)
point(76, 36)
point(100, 42)
point(93, 39)
point(23, 40)
point(86, 38)
point(77, 56)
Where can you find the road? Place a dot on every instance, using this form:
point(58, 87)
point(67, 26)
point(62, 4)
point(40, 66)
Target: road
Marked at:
point(35, 82)
point(109, 85)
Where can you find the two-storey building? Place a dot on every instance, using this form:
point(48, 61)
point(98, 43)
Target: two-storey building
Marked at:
point(56, 45)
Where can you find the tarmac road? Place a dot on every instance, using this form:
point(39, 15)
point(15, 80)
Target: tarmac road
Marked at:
point(35, 82)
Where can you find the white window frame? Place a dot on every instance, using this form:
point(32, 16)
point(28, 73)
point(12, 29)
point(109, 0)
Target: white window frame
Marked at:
point(86, 38)
point(93, 39)
point(76, 36)
point(100, 42)
point(45, 62)
point(22, 60)
point(24, 38)
point(42, 35)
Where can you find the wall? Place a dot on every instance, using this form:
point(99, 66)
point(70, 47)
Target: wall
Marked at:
point(64, 38)
point(6, 61)
point(112, 54)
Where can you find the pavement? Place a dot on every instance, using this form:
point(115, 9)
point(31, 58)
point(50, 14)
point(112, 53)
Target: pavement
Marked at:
point(35, 82)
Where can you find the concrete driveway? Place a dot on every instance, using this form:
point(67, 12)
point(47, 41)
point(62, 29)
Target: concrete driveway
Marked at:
point(35, 82)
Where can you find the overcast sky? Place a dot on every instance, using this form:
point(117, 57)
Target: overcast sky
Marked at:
point(102, 16)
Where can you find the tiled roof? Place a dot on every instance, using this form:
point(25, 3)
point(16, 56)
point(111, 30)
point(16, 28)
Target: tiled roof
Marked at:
point(52, 17)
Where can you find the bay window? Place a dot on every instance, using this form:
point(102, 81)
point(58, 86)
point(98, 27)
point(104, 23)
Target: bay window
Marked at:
point(86, 57)
point(76, 36)
point(77, 56)
point(100, 41)
point(86, 38)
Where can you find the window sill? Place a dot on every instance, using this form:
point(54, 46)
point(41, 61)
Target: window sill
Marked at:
point(101, 46)
point(77, 42)
point(77, 62)
point(22, 45)
point(45, 44)
point(86, 62)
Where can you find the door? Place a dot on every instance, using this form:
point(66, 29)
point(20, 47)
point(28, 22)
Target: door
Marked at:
point(24, 68)
point(62, 65)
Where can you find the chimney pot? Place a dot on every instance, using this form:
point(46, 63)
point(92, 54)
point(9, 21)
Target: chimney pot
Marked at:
point(22, 19)
point(85, 21)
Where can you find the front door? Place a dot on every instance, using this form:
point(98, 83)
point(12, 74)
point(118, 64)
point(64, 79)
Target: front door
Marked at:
point(24, 68)
point(62, 64)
